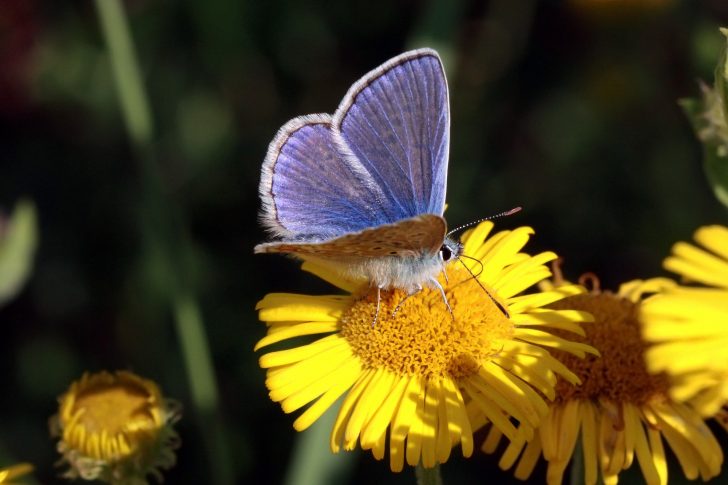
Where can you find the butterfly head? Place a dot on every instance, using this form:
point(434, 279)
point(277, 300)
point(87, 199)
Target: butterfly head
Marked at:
point(450, 249)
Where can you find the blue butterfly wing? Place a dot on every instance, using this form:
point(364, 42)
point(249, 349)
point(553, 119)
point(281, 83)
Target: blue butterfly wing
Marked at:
point(395, 124)
point(310, 192)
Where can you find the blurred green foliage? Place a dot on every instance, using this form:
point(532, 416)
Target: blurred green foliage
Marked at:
point(565, 108)
point(708, 116)
point(18, 241)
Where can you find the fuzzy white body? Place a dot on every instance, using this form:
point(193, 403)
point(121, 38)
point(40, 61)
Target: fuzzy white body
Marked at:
point(409, 274)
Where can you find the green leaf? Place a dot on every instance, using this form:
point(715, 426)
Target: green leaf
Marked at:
point(721, 75)
point(715, 156)
point(716, 169)
point(716, 160)
point(708, 117)
point(18, 241)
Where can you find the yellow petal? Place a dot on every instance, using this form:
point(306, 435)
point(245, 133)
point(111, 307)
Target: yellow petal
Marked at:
point(444, 436)
point(7, 475)
point(548, 316)
point(337, 433)
point(510, 288)
point(528, 460)
point(493, 412)
point(492, 440)
point(714, 238)
point(706, 276)
point(658, 453)
point(567, 320)
point(546, 339)
point(371, 398)
point(634, 290)
point(333, 275)
point(284, 306)
point(379, 448)
point(531, 370)
point(473, 238)
point(296, 330)
point(496, 256)
point(701, 259)
point(458, 422)
point(531, 407)
point(403, 420)
point(429, 425)
point(636, 441)
point(416, 428)
point(568, 433)
point(377, 425)
point(513, 451)
point(344, 381)
point(315, 387)
point(524, 303)
point(555, 472)
point(589, 442)
point(297, 354)
point(632, 428)
point(519, 276)
point(686, 356)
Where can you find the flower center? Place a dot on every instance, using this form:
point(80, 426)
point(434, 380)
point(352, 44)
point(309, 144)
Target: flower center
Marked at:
point(112, 408)
point(111, 416)
point(619, 374)
point(422, 337)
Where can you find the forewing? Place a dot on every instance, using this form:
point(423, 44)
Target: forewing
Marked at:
point(395, 122)
point(423, 234)
point(309, 191)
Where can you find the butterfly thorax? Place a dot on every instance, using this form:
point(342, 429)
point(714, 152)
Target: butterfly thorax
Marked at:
point(407, 273)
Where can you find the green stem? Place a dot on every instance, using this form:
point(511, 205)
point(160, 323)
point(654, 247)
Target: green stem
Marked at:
point(576, 473)
point(195, 351)
point(428, 476)
point(314, 462)
point(166, 233)
point(202, 383)
point(125, 68)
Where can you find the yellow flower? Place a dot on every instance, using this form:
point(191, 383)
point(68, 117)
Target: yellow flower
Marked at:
point(413, 372)
point(620, 410)
point(9, 475)
point(116, 428)
point(689, 325)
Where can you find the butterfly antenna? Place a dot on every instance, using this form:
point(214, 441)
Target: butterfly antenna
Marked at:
point(474, 275)
point(496, 302)
point(480, 263)
point(496, 216)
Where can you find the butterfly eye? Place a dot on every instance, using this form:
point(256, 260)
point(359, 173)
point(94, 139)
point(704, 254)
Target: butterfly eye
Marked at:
point(445, 252)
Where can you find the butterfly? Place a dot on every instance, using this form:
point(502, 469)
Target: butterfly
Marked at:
point(365, 188)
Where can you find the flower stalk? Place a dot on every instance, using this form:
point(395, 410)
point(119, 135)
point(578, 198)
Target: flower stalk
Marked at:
point(165, 236)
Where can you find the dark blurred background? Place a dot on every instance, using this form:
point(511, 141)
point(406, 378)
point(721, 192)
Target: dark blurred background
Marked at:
point(568, 109)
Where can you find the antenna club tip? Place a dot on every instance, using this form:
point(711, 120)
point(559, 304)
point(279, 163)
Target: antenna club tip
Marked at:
point(513, 211)
point(501, 214)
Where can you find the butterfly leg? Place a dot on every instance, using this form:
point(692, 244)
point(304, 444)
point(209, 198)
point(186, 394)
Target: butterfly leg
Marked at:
point(379, 302)
point(444, 273)
point(437, 285)
point(418, 288)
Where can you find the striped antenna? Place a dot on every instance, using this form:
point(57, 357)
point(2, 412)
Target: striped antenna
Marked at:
point(482, 287)
point(501, 214)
